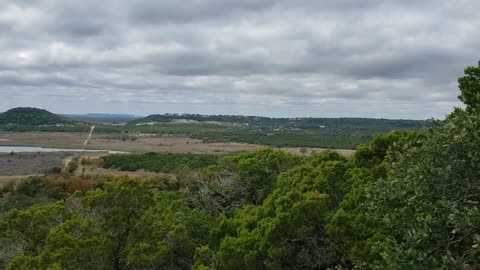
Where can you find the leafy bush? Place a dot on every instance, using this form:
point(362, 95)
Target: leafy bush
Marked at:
point(158, 162)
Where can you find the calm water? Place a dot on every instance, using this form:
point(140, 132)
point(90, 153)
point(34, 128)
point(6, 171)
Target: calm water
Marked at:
point(18, 149)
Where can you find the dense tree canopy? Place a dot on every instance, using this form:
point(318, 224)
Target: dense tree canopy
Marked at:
point(470, 88)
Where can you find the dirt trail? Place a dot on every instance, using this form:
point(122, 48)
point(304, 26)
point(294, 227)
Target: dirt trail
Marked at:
point(66, 161)
point(89, 136)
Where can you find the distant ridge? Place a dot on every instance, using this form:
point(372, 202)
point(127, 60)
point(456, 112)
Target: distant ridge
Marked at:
point(297, 123)
point(103, 117)
point(27, 116)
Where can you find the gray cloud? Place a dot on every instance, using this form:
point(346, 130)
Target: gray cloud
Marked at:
point(396, 59)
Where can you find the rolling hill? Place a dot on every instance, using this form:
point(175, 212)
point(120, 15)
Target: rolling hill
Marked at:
point(103, 118)
point(33, 119)
point(27, 116)
point(324, 125)
point(344, 133)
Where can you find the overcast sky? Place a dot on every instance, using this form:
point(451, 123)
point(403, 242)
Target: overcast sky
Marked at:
point(282, 58)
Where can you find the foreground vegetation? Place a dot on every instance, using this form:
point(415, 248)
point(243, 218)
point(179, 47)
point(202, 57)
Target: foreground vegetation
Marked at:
point(405, 200)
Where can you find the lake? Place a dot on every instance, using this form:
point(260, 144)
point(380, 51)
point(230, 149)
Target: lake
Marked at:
point(19, 149)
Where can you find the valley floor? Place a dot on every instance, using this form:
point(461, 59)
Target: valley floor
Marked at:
point(141, 144)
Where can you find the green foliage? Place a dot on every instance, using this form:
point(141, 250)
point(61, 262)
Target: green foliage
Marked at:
point(374, 153)
point(158, 162)
point(167, 235)
point(127, 224)
point(434, 191)
point(470, 88)
point(77, 243)
point(288, 230)
point(72, 165)
point(29, 193)
point(32, 117)
point(236, 180)
point(25, 233)
point(205, 259)
point(31, 187)
point(256, 172)
point(118, 208)
point(286, 139)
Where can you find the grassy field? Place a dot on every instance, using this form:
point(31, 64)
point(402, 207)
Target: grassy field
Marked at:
point(17, 167)
point(142, 143)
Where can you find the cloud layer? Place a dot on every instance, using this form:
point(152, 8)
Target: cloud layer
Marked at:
point(392, 59)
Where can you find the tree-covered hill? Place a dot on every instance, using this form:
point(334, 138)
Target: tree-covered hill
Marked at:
point(278, 132)
point(33, 117)
point(333, 133)
point(104, 118)
point(324, 125)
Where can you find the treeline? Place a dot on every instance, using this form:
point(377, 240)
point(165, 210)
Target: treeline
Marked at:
point(276, 132)
point(363, 125)
point(159, 162)
point(287, 139)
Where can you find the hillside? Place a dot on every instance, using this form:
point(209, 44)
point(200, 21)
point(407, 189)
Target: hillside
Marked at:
point(359, 126)
point(344, 133)
point(340, 133)
point(102, 118)
point(25, 116)
point(33, 119)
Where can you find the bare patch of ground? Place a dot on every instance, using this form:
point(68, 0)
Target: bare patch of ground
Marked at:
point(29, 163)
point(43, 139)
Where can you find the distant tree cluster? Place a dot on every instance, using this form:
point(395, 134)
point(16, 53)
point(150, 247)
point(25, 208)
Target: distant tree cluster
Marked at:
point(158, 162)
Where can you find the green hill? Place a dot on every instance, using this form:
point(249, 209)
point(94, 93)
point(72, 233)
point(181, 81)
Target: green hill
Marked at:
point(279, 132)
point(25, 116)
point(359, 126)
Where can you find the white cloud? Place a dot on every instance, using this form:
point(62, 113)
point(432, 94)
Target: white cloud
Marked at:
point(280, 58)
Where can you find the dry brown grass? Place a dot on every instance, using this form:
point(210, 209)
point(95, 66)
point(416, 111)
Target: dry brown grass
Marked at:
point(12, 179)
point(145, 143)
point(22, 165)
